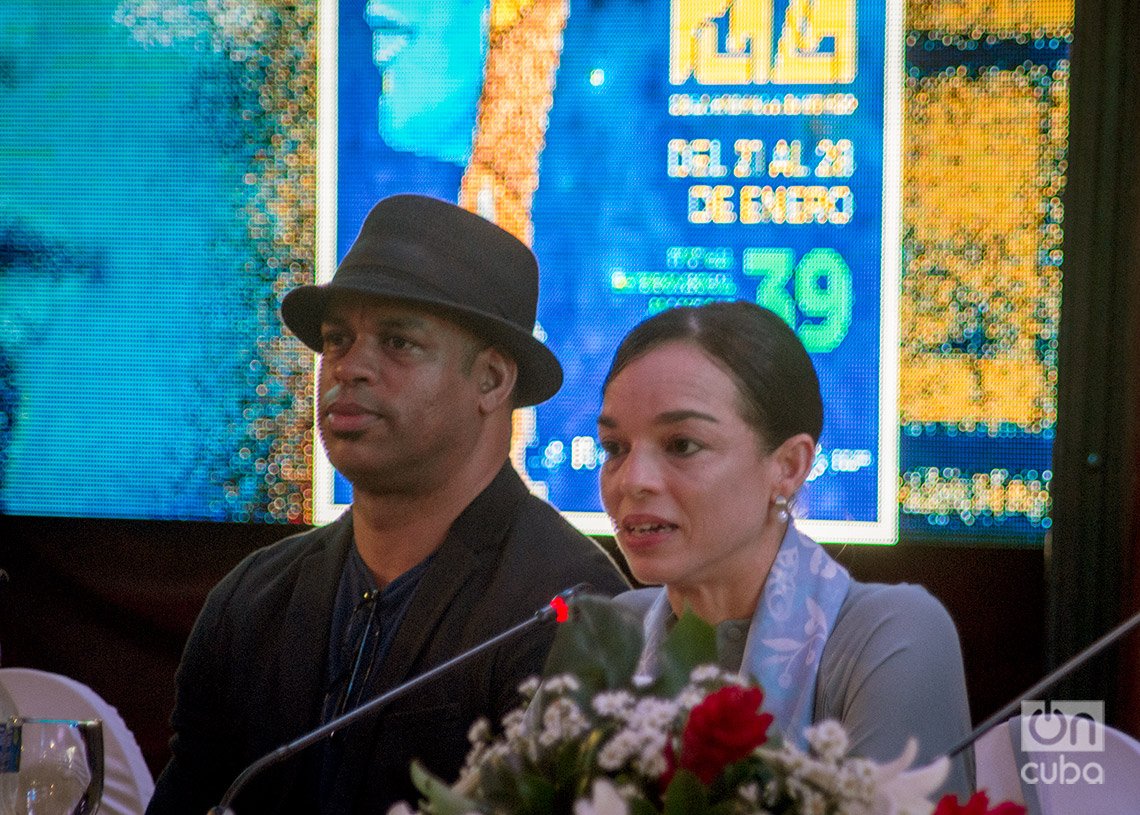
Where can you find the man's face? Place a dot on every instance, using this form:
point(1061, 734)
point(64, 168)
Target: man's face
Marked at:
point(398, 405)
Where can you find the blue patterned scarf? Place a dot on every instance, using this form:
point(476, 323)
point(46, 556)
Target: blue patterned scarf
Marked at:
point(801, 600)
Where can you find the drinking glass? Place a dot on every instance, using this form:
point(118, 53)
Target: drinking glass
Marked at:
point(51, 766)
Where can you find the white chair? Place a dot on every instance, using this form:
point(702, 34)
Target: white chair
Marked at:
point(1100, 781)
point(996, 764)
point(127, 782)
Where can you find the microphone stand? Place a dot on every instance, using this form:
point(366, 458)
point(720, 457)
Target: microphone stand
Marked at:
point(1051, 678)
point(557, 609)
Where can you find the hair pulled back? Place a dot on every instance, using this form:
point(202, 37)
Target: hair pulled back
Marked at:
point(774, 375)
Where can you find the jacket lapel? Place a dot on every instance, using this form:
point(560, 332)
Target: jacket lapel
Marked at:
point(304, 659)
point(480, 527)
point(450, 569)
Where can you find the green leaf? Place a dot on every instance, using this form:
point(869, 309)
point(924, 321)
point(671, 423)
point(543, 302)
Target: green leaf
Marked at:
point(501, 786)
point(686, 795)
point(735, 775)
point(586, 761)
point(639, 806)
point(566, 763)
point(691, 642)
point(440, 799)
point(536, 794)
point(600, 644)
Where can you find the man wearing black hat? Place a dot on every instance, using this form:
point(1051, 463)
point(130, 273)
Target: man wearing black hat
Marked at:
point(426, 348)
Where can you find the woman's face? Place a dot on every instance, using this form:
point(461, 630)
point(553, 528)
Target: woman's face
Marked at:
point(686, 480)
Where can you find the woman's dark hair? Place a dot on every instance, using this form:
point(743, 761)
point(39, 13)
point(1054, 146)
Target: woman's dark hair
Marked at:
point(778, 385)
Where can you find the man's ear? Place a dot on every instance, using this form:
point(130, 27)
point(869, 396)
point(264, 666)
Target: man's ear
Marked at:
point(495, 375)
point(793, 460)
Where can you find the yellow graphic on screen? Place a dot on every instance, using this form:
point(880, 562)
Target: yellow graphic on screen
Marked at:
point(985, 162)
point(729, 42)
point(997, 18)
point(524, 49)
point(981, 283)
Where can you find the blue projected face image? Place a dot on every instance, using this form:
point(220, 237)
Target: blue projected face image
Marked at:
point(119, 254)
point(430, 57)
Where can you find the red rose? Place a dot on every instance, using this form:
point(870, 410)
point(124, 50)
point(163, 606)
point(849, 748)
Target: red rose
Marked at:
point(723, 728)
point(979, 804)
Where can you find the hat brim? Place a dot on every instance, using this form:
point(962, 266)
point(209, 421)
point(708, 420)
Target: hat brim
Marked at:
point(539, 376)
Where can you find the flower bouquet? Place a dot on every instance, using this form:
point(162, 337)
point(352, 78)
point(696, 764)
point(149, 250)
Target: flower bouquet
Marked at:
point(595, 738)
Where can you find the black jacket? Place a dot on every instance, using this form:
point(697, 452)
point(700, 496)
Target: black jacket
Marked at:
point(253, 673)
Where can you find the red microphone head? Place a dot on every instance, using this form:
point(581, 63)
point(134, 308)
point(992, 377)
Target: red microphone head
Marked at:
point(561, 609)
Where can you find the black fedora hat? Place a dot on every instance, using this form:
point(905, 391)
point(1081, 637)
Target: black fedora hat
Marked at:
point(431, 253)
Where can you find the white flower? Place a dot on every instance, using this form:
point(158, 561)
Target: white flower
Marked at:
point(604, 800)
point(796, 788)
point(651, 713)
point(564, 683)
point(705, 673)
point(401, 808)
point(479, 735)
point(901, 791)
point(813, 803)
point(618, 750)
point(628, 791)
point(641, 681)
point(514, 724)
point(690, 697)
point(529, 686)
point(821, 775)
point(855, 780)
point(613, 703)
point(651, 765)
point(771, 791)
point(749, 793)
point(828, 739)
point(480, 731)
point(789, 756)
point(562, 721)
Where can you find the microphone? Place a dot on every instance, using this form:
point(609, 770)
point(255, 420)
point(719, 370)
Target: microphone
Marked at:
point(1050, 679)
point(557, 609)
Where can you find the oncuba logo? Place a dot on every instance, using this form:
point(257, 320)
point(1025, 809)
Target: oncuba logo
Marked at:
point(1058, 727)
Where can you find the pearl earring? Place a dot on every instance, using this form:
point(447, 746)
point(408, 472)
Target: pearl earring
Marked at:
point(782, 514)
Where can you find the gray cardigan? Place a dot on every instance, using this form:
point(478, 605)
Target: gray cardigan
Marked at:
point(891, 669)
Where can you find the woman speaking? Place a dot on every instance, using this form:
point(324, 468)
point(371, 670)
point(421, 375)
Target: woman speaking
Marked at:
point(710, 418)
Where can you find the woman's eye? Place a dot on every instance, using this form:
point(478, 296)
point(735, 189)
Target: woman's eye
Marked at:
point(610, 448)
point(682, 446)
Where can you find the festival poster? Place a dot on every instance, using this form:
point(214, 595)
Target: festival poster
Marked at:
point(652, 154)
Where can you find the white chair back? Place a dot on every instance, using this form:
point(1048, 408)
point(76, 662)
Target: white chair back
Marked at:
point(1096, 774)
point(127, 782)
point(996, 765)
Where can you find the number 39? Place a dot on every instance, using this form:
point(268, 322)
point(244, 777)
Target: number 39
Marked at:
point(822, 292)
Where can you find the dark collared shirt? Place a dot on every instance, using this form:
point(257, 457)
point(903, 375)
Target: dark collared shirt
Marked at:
point(364, 623)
